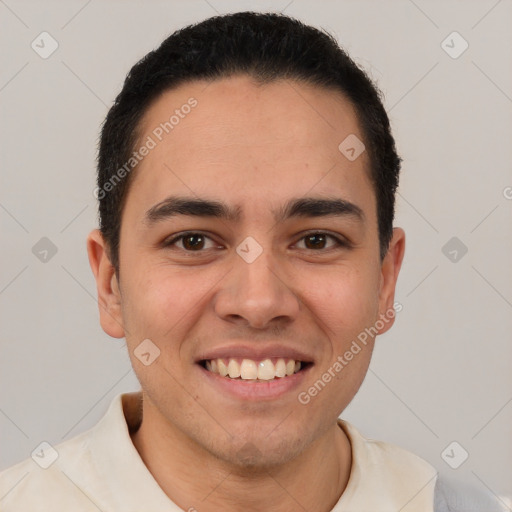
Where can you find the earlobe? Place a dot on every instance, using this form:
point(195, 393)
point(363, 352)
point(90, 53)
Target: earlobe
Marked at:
point(109, 296)
point(389, 275)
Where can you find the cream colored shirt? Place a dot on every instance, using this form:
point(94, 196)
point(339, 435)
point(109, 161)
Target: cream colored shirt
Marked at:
point(101, 469)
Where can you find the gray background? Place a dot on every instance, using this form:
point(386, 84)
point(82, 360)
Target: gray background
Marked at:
point(442, 374)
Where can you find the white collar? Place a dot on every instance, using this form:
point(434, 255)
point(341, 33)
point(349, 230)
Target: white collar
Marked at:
point(383, 477)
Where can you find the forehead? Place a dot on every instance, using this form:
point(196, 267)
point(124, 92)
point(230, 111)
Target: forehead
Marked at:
point(253, 143)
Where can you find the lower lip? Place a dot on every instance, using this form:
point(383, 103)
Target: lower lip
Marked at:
point(256, 391)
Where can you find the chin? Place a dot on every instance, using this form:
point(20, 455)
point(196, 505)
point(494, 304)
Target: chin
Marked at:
point(259, 455)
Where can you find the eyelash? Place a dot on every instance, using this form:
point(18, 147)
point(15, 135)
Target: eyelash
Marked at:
point(340, 243)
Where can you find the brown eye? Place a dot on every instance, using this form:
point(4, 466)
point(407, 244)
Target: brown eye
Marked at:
point(318, 241)
point(315, 241)
point(190, 242)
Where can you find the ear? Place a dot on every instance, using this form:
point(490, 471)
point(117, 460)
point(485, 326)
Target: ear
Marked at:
point(389, 275)
point(109, 296)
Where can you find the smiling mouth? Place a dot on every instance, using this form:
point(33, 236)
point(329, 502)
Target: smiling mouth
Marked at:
point(254, 371)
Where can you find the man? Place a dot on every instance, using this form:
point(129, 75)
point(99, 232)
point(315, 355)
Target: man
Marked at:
point(246, 180)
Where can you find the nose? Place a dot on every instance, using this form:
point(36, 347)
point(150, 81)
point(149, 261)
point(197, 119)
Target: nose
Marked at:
point(258, 294)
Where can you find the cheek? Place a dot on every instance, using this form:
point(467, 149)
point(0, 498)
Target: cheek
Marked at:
point(349, 302)
point(345, 299)
point(160, 303)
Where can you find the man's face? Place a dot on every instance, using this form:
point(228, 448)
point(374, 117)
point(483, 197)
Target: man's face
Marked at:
point(303, 298)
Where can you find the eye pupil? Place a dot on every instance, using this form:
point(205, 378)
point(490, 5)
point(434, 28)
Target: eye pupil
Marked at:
point(195, 242)
point(194, 245)
point(316, 236)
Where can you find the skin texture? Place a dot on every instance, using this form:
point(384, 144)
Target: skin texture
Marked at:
point(254, 147)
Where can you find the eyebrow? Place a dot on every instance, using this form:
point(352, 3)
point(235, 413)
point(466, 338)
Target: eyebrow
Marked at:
point(174, 206)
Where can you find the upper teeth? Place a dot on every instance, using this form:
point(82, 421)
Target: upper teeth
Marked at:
point(252, 370)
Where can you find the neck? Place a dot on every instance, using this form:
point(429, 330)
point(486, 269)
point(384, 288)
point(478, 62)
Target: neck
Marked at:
point(194, 479)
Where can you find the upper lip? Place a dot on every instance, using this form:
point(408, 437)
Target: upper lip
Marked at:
point(260, 352)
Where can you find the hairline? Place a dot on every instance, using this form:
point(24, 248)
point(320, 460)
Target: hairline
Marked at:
point(257, 79)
